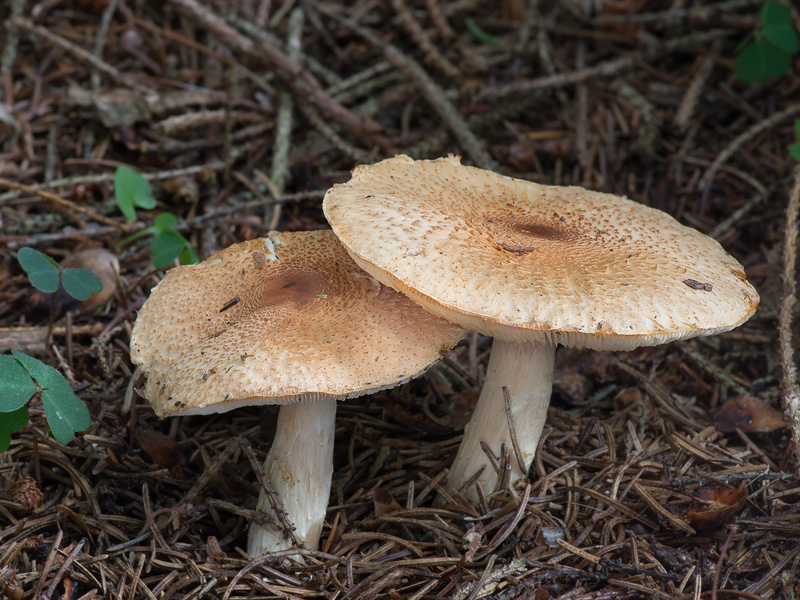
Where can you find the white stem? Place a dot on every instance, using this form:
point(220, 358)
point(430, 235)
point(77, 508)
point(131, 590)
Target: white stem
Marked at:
point(298, 467)
point(526, 369)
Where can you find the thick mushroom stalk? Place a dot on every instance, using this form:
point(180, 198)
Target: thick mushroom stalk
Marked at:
point(526, 370)
point(298, 468)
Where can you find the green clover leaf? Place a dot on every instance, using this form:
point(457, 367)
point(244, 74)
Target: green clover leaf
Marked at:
point(16, 383)
point(66, 413)
point(42, 270)
point(776, 21)
point(761, 60)
point(166, 247)
point(81, 284)
point(132, 190)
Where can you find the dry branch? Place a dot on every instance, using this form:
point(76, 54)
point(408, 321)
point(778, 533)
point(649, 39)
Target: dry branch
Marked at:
point(473, 147)
point(303, 83)
point(789, 384)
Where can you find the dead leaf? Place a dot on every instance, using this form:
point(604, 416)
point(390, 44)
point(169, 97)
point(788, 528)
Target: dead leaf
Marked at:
point(748, 414)
point(13, 589)
point(384, 502)
point(698, 285)
point(718, 506)
point(75, 518)
point(629, 397)
point(184, 189)
point(162, 449)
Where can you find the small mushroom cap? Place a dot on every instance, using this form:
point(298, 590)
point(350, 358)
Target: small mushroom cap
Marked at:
point(527, 262)
point(285, 318)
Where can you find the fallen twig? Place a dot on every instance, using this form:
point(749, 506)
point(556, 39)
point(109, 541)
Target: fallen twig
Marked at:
point(742, 138)
point(299, 79)
point(473, 147)
point(62, 202)
point(79, 52)
point(791, 391)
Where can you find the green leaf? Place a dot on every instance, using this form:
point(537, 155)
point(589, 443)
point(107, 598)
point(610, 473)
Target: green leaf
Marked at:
point(132, 190)
point(45, 375)
point(164, 222)
point(81, 283)
point(65, 412)
point(794, 150)
point(14, 420)
point(41, 269)
point(16, 384)
point(776, 20)
point(188, 256)
point(11, 421)
point(166, 247)
point(761, 60)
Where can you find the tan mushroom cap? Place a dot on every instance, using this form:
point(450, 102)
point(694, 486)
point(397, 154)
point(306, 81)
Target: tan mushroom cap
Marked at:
point(281, 319)
point(521, 261)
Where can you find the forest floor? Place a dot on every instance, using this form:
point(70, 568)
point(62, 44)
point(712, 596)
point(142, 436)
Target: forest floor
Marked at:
point(648, 482)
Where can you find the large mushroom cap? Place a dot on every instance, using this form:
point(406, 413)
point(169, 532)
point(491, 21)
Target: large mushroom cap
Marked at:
point(285, 318)
point(522, 261)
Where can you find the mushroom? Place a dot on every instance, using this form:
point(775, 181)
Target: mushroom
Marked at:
point(533, 266)
point(288, 319)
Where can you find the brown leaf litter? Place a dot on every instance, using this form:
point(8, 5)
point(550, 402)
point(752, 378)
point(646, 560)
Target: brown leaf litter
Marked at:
point(646, 483)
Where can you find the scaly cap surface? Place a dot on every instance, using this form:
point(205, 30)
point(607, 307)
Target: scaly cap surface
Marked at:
point(521, 261)
point(285, 318)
